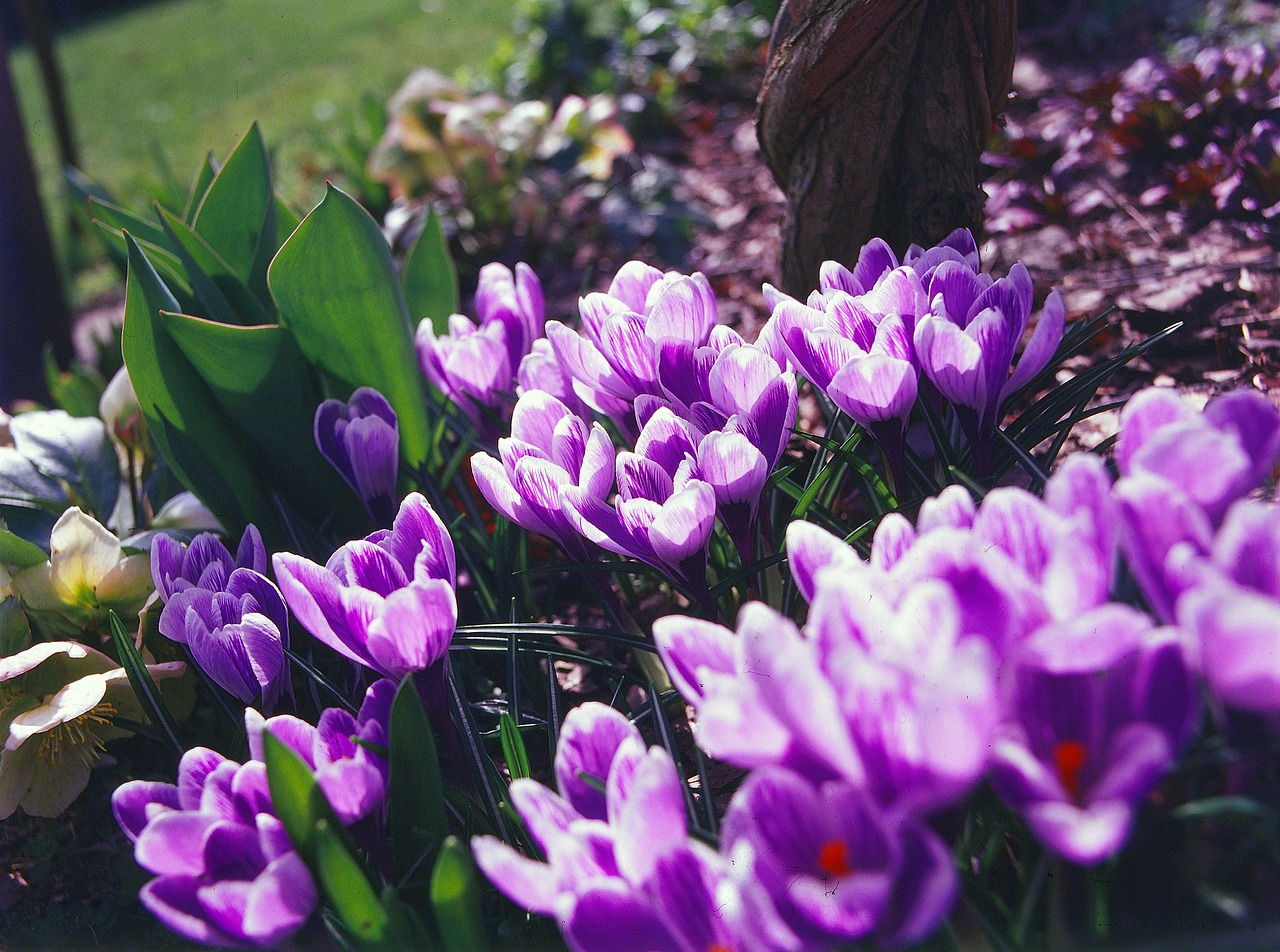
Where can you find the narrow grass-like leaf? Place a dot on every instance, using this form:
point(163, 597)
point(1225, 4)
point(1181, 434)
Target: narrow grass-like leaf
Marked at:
point(144, 688)
point(667, 738)
point(513, 747)
point(416, 824)
point(430, 280)
point(455, 900)
point(481, 766)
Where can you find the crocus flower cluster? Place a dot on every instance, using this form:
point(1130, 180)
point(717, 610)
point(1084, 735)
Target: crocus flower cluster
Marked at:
point(801, 865)
point(1203, 555)
point(866, 335)
point(475, 364)
point(892, 684)
point(711, 416)
point(361, 440)
point(226, 872)
point(226, 611)
point(386, 601)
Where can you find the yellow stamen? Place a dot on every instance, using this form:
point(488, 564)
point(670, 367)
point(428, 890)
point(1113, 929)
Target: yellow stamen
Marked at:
point(77, 739)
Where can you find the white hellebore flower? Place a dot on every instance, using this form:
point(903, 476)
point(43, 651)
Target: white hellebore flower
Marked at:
point(58, 704)
point(87, 572)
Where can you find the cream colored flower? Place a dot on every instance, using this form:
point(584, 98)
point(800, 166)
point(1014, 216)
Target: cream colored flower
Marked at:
point(59, 702)
point(87, 572)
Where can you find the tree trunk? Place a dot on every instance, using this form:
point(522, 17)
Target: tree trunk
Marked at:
point(872, 118)
point(32, 307)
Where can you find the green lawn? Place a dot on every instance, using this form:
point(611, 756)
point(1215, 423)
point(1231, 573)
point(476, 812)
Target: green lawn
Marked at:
point(185, 76)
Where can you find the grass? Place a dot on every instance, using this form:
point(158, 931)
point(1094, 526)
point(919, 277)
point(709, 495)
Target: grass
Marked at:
point(163, 83)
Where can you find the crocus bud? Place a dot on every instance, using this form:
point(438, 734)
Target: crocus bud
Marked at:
point(360, 439)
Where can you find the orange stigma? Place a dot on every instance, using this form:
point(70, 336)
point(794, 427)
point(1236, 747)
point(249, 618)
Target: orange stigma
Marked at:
point(833, 858)
point(1068, 758)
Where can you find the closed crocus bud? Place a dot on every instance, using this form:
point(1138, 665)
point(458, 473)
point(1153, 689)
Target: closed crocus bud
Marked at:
point(361, 440)
point(120, 410)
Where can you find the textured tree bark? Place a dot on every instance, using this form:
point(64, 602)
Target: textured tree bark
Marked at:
point(872, 118)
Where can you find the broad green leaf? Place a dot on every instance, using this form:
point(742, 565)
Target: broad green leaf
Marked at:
point(237, 215)
point(430, 279)
point(84, 188)
point(347, 888)
point(297, 799)
point(200, 187)
point(455, 899)
point(287, 222)
point(17, 552)
point(164, 261)
point(202, 446)
point(416, 815)
point(513, 747)
point(121, 219)
point(336, 289)
point(78, 390)
point(250, 369)
point(15, 630)
point(226, 298)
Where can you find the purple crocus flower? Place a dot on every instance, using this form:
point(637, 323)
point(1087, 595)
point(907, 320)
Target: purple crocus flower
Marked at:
point(360, 438)
point(475, 364)
point(1233, 608)
point(615, 358)
point(859, 351)
point(832, 865)
point(1101, 705)
point(966, 344)
point(386, 601)
point(228, 614)
point(1180, 472)
point(663, 515)
point(588, 835)
point(550, 448)
point(226, 872)
point(1214, 457)
point(205, 563)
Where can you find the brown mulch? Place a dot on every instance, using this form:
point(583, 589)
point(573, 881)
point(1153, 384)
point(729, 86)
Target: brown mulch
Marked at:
point(1143, 266)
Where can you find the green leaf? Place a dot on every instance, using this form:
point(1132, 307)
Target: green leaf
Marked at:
point(17, 552)
point(249, 368)
point(287, 222)
point(78, 390)
point(200, 187)
point(347, 887)
point(336, 289)
point(455, 898)
point(121, 219)
point(15, 630)
point(416, 814)
point(513, 747)
point(143, 686)
point(162, 260)
point(430, 280)
point(299, 802)
point(225, 297)
point(237, 216)
point(202, 446)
